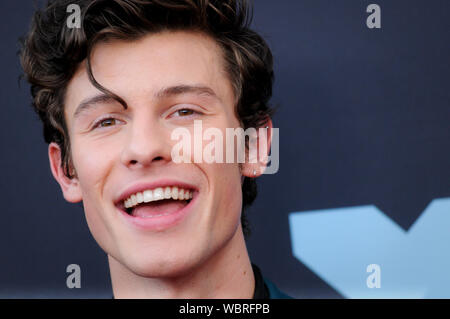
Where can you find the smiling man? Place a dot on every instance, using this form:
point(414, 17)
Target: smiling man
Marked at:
point(110, 94)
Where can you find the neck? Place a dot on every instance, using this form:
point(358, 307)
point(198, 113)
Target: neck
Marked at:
point(226, 274)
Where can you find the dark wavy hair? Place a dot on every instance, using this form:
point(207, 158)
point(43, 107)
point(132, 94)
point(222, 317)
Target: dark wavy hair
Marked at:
point(51, 52)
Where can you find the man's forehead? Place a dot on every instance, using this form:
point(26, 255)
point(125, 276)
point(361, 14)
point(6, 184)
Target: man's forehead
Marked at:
point(175, 51)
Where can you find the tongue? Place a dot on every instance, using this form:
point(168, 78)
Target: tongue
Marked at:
point(161, 207)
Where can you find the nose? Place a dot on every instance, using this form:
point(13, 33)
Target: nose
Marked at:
point(147, 143)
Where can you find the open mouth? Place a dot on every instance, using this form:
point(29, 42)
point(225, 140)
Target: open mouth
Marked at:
point(157, 202)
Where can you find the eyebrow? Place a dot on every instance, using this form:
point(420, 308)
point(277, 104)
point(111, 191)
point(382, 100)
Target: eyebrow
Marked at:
point(167, 92)
point(91, 102)
point(185, 89)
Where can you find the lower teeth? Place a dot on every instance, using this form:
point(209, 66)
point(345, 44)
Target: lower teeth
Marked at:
point(159, 215)
point(130, 211)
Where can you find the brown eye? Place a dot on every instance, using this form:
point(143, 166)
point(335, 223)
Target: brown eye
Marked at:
point(107, 122)
point(185, 112)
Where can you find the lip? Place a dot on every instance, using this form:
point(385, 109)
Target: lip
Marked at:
point(155, 223)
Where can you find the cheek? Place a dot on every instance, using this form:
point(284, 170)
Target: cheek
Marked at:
point(229, 204)
point(98, 225)
point(92, 162)
point(226, 177)
point(93, 169)
point(227, 192)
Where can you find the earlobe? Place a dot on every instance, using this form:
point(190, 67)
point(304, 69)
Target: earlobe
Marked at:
point(69, 186)
point(250, 170)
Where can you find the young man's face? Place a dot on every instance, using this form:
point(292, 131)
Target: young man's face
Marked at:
point(133, 148)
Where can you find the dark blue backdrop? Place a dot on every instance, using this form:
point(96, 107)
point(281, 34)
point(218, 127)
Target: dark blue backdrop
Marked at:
point(363, 120)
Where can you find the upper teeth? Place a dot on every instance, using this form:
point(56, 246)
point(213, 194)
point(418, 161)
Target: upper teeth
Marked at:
point(160, 193)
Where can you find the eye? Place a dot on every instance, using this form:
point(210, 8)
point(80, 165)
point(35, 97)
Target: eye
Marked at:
point(185, 112)
point(106, 122)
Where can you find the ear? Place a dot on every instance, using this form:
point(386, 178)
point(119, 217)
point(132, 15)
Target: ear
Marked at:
point(70, 187)
point(263, 143)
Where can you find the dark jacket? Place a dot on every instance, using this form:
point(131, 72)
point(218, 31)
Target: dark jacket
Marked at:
point(264, 288)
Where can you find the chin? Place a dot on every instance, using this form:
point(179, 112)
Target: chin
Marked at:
point(160, 266)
